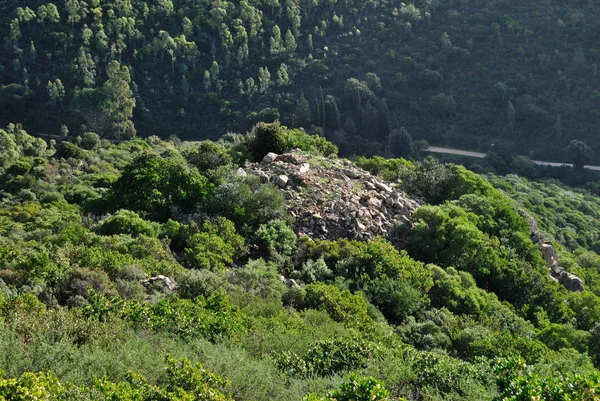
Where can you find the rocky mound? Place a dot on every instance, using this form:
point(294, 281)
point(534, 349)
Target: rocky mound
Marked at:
point(332, 198)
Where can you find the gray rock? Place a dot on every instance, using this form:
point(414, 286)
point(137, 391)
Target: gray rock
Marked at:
point(370, 186)
point(160, 282)
point(382, 187)
point(304, 167)
point(270, 157)
point(291, 283)
point(281, 181)
point(570, 281)
point(352, 173)
point(264, 177)
point(359, 226)
point(240, 172)
point(548, 254)
point(374, 202)
point(344, 176)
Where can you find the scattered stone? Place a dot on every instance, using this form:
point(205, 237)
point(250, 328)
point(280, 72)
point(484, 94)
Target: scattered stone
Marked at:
point(374, 202)
point(359, 226)
point(264, 177)
point(332, 198)
point(382, 187)
point(352, 173)
point(270, 157)
point(240, 172)
point(291, 283)
point(370, 186)
point(281, 181)
point(160, 283)
point(304, 167)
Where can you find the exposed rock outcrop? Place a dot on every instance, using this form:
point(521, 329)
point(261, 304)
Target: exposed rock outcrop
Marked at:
point(160, 283)
point(332, 198)
point(570, 281)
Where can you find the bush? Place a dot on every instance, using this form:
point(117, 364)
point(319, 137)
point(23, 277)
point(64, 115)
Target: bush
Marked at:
point(215, 247)
point(276, 238)
point(126, 222)
point(342, 306)
point(154, 185)
point(67, 150)
point(314, 271)
point(328, 357)
point(207, 155)
point(355, 389)
point(265, 138)
point(396, 298)
point(247, 203)
point(89, 141)
point(195, 283)
point(517, 382)
point(259, 278)
point(368, 261)
point(298, 138)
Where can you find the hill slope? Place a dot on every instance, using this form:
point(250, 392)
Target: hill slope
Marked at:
point(154, 269)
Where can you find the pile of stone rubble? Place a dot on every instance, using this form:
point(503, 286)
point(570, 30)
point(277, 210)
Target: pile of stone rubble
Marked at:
point(332, 198)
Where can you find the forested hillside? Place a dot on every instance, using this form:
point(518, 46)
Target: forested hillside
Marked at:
point(521, 75)
point(169, 270)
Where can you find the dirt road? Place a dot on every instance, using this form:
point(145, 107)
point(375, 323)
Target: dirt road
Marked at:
point(437, 149)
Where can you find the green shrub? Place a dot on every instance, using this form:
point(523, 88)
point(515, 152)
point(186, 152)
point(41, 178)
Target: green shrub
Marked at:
point(396, 298)
point(314, 271)
point(126, 222)
point(328, 357)
point(154, 185)
point(265, 138)
point(355, 389)
point(67, 150)
point(298, 138)
point(258, 277)
point(89, 141)
point(215, 247)
point(342, 306)
point(366, 261)
point(247, 203)
point(195, 283)
point(276, 238)
point(516, 382)
point(207, 155)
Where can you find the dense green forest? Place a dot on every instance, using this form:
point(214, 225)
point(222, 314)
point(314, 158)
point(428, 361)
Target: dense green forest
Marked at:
point(168, 270)
point(506, 75)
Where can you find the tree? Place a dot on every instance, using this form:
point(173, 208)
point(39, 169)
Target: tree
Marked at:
point(302, 116)
point(153, 185)
point(265, 138)
point(264, 79)
point(282, 76)
point(108, 110)
point(400, 143)
point(579, 153)
point(10, 151)
point(56, 91)
point(276, 46)
point(290, 43)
